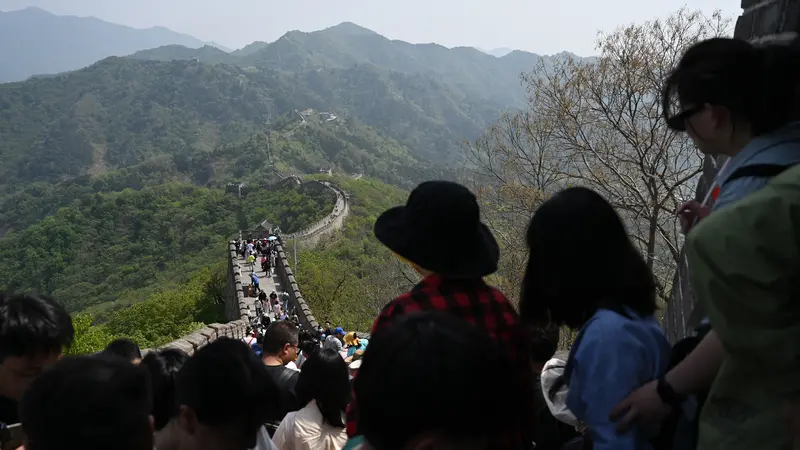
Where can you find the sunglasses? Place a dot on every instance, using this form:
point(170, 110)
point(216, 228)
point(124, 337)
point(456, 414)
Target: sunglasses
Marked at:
point(678, 121)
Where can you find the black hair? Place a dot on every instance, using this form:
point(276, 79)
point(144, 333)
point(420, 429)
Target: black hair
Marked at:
point(123, 348)
point(582, 259)
point(278, 335)
point(325, 378)
point(757, 84)
point(163, 367)
point(221, 383)
point(94, 403)
point(405, 387)
point(543, 342)
point(309, 343)
point(32, 325)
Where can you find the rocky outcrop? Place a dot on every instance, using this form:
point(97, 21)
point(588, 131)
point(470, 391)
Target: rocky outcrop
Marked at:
point(761, 21)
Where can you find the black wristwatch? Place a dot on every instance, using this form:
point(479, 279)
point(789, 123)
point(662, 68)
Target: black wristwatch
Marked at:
point(668, 394)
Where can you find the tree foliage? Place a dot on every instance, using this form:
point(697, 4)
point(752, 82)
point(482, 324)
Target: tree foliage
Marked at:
point(104, 247)
point(163, 317)
point(598, 123)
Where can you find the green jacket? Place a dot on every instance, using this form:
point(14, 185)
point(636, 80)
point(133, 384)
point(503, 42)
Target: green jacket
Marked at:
point(744, 262)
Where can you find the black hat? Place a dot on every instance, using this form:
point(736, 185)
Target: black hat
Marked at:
point(440, 230)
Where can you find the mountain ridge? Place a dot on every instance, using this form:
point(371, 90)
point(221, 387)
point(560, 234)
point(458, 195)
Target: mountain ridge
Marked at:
point(37, 42)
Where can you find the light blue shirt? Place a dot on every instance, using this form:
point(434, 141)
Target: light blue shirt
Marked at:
point(779, 147)
point(615, 355)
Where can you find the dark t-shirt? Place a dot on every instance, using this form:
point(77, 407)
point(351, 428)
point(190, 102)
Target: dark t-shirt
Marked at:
point(8, 411)
point(286, 379)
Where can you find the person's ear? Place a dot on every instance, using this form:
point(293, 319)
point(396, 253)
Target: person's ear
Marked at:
point(187, 419)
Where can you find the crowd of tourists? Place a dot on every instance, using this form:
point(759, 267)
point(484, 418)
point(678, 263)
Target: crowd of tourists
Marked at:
point(262, 251)
point(452, 364)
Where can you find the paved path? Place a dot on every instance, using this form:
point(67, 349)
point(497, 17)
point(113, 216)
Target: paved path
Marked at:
point(268, 283)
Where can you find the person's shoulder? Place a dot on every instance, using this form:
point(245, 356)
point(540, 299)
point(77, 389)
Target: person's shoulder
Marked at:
point(611, 330)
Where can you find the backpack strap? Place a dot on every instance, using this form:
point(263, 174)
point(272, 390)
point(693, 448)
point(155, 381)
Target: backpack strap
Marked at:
point(758, 171)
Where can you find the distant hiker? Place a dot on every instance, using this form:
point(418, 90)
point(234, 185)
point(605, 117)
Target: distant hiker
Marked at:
point(255, 282)
point(439, 234)
point(265, 265)
point(251, 261)
point(334, 341)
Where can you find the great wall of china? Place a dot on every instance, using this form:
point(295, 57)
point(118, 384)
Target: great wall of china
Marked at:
point(237, 304)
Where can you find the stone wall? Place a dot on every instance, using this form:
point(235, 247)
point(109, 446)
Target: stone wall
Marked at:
point(236, 311)
point(329, 223)
point(289, 283)
point(761, 20)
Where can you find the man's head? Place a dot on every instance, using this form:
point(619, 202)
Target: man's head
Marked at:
point(281, 340)
point(405, 379)
point(125, 349)
point(34, 331)
point(215, 392)
point(339, 332)
point(91, 402)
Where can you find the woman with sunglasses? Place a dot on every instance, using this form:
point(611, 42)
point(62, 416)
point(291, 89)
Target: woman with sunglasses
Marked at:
point(739, 101)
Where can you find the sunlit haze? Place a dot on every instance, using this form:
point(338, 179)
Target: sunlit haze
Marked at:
point(536, 26)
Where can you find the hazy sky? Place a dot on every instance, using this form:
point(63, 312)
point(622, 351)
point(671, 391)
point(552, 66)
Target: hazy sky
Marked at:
point(541, 26)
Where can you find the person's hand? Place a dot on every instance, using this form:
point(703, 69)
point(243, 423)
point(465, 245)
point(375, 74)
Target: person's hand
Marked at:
point(642, 406)
point(690, 212)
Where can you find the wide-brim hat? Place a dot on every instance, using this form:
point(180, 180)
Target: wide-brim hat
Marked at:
point(439, 229)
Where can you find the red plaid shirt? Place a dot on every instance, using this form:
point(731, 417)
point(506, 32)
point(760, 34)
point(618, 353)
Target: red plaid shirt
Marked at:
point(484, 306)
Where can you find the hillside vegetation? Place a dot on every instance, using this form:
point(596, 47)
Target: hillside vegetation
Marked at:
point(119, 181)
point(348, 277)
point(104, 248)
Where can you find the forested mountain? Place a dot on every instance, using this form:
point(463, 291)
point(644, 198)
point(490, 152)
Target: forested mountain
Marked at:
point(121, 112)
point(113, 177)
point(475, 73)
point(36, 42)
point(104, 247)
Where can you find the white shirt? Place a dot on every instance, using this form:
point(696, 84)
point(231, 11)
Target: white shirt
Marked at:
point(263, 442)
point(305, 430)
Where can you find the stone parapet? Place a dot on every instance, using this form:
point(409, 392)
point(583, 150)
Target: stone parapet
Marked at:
point(236, 310)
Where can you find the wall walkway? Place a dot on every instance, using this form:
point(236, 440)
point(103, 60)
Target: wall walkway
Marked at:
point(239, 308)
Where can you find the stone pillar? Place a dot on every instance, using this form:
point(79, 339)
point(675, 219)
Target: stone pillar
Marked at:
point(761, 20)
